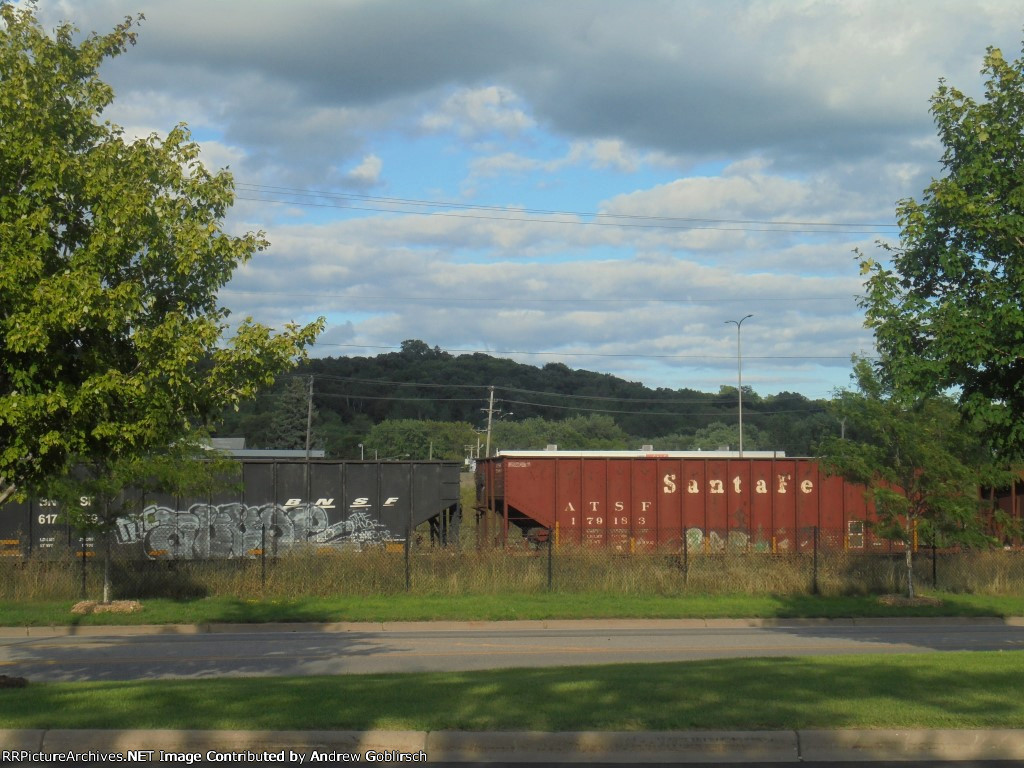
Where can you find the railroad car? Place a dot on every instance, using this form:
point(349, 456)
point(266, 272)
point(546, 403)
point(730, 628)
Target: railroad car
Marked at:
point(704, 501)
point(707, 501)
point(277, 504)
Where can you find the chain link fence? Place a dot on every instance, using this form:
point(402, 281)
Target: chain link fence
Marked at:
point(531, 567)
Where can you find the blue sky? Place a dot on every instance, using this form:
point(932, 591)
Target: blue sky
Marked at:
point(597, 183)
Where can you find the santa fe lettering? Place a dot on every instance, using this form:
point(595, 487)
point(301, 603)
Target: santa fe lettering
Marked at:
point(670, 484)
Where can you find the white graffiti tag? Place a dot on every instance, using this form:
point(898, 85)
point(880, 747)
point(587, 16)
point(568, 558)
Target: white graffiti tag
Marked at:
point(237, 530)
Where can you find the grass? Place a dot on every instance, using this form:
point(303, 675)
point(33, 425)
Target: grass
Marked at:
point(496, 572)
point(405, 607)
point(935, 690)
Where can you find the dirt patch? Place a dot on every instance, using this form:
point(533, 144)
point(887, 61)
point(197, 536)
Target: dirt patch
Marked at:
point(115, 606)
point(908, 602)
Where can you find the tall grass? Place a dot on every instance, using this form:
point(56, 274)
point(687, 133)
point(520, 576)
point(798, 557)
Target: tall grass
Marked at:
point(459, 572)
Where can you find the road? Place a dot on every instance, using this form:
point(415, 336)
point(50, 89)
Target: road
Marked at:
point(226, 650)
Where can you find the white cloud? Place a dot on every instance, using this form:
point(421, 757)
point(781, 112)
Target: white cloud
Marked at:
point(731, 111)
point(367, 173)
point(478, 112)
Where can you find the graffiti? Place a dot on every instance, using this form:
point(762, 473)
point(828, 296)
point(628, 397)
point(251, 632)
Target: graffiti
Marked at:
point(733, 541)
point(238, 530)
point(694, 538)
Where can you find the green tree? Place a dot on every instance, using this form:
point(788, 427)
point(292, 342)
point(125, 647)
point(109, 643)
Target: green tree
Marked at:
point(111, 337)
point(577, 433)
point(95, 494)
point(948, 315)
point(719, 435)
point(921, 465)
point(289, 417)
point(418, 440)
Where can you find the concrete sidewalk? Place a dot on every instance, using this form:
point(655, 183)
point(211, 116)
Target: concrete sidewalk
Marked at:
point(530, 747)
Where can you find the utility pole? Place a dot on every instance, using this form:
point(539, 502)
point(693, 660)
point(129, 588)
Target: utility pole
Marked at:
point(739, 373)
point(490, 420)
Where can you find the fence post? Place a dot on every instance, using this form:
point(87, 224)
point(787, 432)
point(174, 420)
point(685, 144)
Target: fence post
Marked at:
point(84, 575)
point(408, 564)
point(550, 559)
point(935, 569)
point(686, 558)
point(814, 583)
point(263, 557)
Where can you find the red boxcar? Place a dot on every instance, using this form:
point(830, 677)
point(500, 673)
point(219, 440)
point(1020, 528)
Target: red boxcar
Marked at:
point(645, 501)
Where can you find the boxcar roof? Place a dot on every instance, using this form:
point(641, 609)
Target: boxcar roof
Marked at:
point(642, 454)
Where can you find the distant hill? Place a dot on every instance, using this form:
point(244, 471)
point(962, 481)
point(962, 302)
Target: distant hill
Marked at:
point(352, 394)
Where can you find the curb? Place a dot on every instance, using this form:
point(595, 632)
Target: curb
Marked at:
point(491, 626)
point(532, 747)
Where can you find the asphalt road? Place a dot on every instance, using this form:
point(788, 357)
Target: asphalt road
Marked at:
point(225, 650)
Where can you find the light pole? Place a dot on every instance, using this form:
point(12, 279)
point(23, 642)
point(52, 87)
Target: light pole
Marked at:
point(361, 452)
point(739, 372)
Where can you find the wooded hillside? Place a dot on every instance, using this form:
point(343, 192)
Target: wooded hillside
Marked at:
point(400, 402)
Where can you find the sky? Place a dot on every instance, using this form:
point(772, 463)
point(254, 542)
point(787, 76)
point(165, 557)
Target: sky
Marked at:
point(611, 185)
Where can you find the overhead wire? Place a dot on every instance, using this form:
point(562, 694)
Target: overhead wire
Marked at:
point(535, 300)
point(592, 218)
point(640, 402)
point(612, 354)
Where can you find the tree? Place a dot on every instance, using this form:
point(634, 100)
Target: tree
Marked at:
point(95, 495)
point(719, 435)
point(289, 416)
point(418, 439)
point(921, 466)
point(113, 253)
point(948, 315)
point(576, 433)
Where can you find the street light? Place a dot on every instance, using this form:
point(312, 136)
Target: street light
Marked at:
point(739, 372)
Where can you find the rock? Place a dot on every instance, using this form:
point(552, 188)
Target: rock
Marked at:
point(115, 606)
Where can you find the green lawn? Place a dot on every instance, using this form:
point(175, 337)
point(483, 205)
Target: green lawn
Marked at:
point(503, 607)
point(933, 690)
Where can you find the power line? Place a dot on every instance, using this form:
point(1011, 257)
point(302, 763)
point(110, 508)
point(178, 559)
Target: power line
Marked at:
point(524, 220)
point(434, 385)
point(576, 408)
point(610, 354)
point(516, 300)
point(638, 401)
point(611, 219)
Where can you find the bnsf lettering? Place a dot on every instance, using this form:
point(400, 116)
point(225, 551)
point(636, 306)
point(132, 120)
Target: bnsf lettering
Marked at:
point(669, 485)
point(363, 502)
point(322, 503)
point(325, 503)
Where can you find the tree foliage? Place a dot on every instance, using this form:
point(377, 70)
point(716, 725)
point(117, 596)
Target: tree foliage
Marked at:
point(289, 417)
point(948, 315)
point(578, 433)
point(113, 250)
point(417, 440)
point(423, 382)
point(921, 465)
point(95, 494)
point(719, 435)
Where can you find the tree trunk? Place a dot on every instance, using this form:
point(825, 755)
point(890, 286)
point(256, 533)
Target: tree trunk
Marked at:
point(6, 490)
point(910, 569)
point(106, 568)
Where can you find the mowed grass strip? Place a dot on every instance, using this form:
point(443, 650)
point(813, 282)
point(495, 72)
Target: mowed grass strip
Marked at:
point(502, 608)
point(934, 690)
